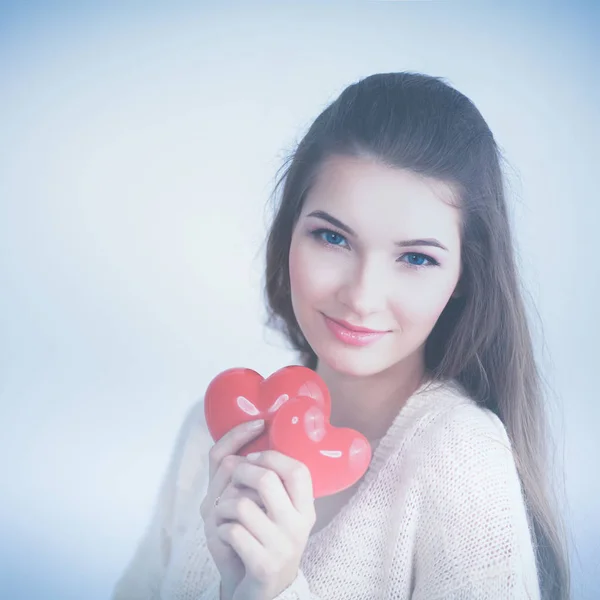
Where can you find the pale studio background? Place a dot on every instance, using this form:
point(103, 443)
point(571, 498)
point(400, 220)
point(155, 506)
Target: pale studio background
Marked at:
point(138, 148)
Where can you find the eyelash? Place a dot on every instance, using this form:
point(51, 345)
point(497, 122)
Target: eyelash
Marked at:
point(318, 233)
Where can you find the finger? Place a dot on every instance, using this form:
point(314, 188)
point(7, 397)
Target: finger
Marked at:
point(222, 477)
point(221, 486)
point(219, 483)
point(271, 491)
point(294, 475)
point(239, 491)
point(252, 553)
point(227, 558)
point(223, 553)
point(246, 512)
point(232, 442)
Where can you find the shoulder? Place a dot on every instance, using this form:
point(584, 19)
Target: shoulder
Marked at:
point(472, 510)
point(453, 444)
point(458, 425)
point(467, 472)
point(462, 451)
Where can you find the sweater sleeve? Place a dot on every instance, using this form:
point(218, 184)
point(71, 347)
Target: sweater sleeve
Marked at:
point(142, 577)
point(473, 539)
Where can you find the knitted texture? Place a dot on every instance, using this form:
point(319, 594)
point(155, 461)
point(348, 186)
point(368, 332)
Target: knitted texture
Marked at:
point(439, 515)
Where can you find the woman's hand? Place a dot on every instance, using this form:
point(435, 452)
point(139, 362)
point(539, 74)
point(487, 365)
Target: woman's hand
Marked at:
point(222, 463)
point(269, 542)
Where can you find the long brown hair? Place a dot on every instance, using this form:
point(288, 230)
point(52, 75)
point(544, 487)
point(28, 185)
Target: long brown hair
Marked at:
point(482, 338)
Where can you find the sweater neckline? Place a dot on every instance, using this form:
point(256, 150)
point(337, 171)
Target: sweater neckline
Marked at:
point(384, 450)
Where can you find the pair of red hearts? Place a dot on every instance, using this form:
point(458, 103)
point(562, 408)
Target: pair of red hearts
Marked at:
point(296, 407)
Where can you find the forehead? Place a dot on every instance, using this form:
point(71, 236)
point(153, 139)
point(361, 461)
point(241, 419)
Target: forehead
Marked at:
point(373, 198)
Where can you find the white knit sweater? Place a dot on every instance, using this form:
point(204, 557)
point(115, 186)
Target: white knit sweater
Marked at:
point(438, 515)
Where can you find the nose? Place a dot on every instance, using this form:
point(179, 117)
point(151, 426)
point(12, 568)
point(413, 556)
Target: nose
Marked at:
point(364, 290)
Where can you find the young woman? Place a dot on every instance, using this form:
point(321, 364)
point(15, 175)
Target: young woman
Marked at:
point(390, 268)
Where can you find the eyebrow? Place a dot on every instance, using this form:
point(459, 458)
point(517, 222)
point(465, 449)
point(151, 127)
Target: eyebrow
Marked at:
point(321, 214)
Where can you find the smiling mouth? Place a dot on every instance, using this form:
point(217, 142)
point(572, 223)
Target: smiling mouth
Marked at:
point(353, 337)
point(356, 328)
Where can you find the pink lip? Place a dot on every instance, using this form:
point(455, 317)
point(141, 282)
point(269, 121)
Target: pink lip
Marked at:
point(352, 335)
point(355, 328)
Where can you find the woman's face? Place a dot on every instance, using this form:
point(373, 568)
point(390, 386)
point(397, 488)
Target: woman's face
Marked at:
point(376, 248)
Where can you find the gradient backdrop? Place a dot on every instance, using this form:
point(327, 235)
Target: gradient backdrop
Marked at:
point(138, 148)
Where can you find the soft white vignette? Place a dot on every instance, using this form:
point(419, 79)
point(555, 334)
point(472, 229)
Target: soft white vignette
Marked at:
point(138, 151)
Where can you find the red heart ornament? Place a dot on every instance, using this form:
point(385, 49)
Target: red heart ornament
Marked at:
point(239, 395)
point(336, 457)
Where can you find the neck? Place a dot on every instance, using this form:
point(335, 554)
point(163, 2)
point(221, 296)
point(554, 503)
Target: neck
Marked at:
point(370, 404)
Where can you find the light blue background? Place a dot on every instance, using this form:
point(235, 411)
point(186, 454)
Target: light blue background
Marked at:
point(138, 147)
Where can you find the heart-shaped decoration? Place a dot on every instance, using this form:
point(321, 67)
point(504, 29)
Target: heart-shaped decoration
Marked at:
point(336, 457)
point(238, 395)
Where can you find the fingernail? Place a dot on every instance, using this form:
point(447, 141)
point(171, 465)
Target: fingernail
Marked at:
point(256, 424)
point(253, 455)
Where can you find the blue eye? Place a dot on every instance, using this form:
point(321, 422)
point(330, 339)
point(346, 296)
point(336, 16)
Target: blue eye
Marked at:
point(329, 237)
point(420, 259)
point(332, 238)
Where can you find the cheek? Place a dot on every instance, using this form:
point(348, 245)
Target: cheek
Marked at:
point(421, 305)
point(297, 270)
point(311, 274)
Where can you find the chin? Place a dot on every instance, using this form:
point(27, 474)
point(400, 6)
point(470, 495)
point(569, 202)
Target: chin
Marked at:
point(354, 363)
